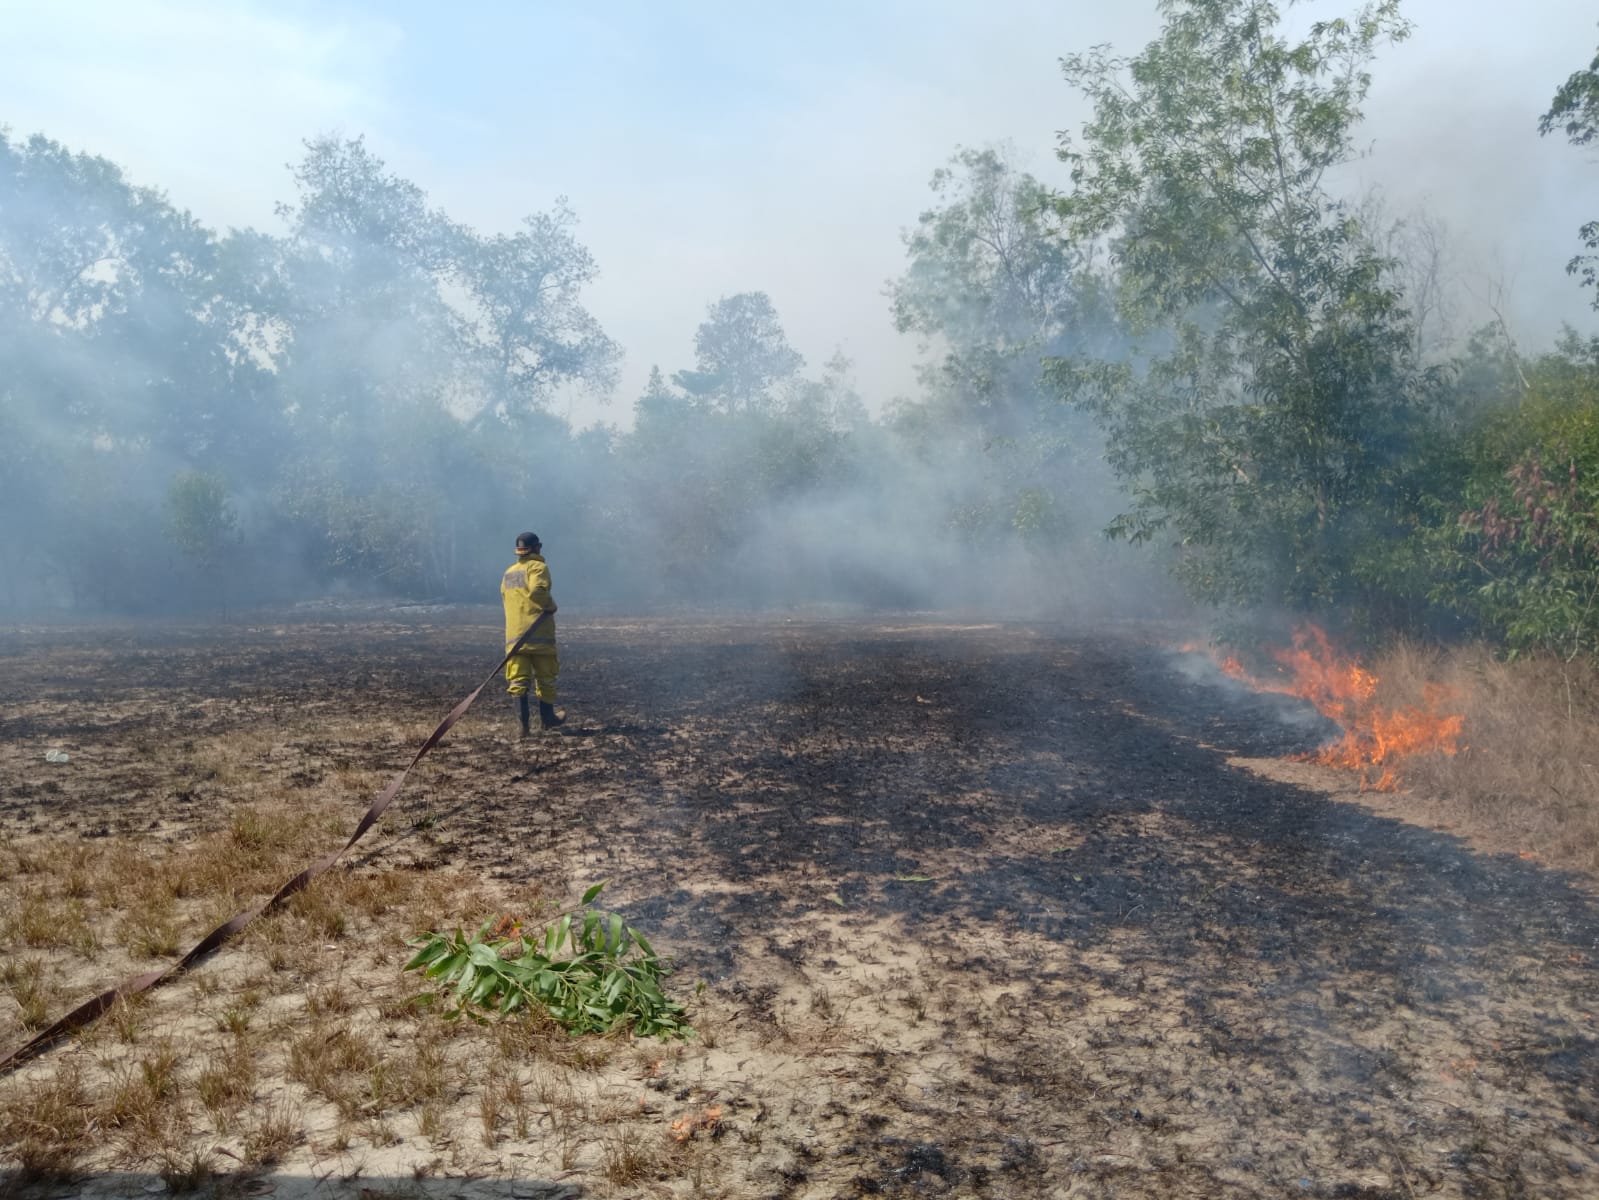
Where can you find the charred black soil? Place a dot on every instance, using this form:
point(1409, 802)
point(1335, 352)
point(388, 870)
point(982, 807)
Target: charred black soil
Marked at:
point(979, 909)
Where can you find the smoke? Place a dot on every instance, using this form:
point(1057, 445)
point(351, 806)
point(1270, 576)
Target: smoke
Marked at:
point(1291, 712)
point(360, 403)
point(1454, 144)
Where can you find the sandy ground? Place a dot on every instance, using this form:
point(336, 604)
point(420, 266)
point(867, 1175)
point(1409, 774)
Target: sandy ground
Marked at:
point(957, 909)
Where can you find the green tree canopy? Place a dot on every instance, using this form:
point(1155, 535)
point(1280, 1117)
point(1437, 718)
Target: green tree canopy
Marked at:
point(740, 354)
point(1575, 112)
point(1261, 424)
point(994, 285)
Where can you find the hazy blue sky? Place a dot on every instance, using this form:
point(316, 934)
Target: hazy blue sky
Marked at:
point(711, 148)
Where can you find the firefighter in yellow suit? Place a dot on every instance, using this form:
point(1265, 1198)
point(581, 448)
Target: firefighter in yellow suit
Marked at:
point(525, 592)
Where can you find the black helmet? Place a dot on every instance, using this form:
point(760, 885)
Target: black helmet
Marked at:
point(529, 542)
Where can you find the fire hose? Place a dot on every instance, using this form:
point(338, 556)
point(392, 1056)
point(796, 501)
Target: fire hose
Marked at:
point(90, 1010)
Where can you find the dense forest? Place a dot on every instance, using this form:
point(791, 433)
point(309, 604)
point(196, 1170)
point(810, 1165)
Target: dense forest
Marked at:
point(1194, 367)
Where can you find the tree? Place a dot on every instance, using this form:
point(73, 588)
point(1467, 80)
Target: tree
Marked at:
point(1263, 426)
point(1575, 112)
point(740, 353)
point(110, 297)
point(528, 319)
point(332, 373)
point(415, 354)
point(201, 521)
point(366, 331)
point(993, 284)
point(118, 347)
point(1421, 253)
point(390, 303)
point(1511, 549)
point(993, 288)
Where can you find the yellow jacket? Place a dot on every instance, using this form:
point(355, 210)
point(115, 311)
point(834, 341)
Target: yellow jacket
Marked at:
point(525, 592)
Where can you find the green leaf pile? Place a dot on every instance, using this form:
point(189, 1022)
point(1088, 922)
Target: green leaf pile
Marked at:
point(589, 970)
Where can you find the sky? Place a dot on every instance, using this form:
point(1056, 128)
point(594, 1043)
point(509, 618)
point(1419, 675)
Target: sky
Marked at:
point(714, 148)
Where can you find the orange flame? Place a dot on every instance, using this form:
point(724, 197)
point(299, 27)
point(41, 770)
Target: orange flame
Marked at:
point(1374, 737)
point(709, 1119)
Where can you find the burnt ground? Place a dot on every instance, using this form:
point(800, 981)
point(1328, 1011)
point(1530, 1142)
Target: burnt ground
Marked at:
point(978, 909)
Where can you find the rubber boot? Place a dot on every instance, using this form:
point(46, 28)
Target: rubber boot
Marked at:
point(547, 717)
point(523, 712)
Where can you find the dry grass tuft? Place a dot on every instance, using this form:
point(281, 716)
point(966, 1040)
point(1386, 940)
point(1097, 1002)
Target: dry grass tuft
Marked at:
point(226, 1085)
point(532, 1036)
point(271, 1132)
point(629, 1157)
point(31, 922)
point(421, 1075)
point(503, 1102)
point(330, 999)
point(1527, 775)
point(25, 982)
point(45, 1128)
point(236, 1016)
point(126, 1017)
point(143, 1108)
point(367, 893)
point(319, 910)
point(151, 932)
point(334, 1061)
point(186, 1170)
point(40, 916)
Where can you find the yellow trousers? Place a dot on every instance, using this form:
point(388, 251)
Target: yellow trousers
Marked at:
point(540, 665)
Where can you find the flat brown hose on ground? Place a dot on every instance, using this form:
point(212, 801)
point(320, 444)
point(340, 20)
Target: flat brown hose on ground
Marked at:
point(88, 1011)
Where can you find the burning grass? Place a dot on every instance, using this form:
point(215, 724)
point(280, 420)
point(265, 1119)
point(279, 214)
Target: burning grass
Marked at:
point(1383, 719)
point(1501, 751)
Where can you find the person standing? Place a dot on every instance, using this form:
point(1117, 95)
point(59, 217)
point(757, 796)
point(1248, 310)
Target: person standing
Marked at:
point(525, 592)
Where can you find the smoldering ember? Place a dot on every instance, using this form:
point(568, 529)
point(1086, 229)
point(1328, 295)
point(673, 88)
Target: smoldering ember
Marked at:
point(1109, 713)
